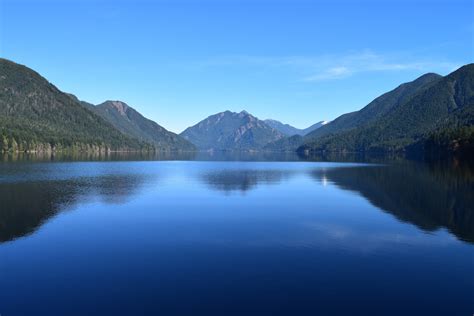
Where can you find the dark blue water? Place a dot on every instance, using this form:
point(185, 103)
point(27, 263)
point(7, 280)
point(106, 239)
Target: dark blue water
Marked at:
point(235, 238)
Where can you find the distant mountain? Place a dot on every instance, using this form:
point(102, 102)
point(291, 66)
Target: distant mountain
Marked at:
point(289, 130)
point(36, 116)
point(133, 124)
point(406, 116)
point(231, 131)
point(313, 127)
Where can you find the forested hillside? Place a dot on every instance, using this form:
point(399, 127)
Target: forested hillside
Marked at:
point(376, 109)
point(36, 116)
point(436, 115)
point(132, 123)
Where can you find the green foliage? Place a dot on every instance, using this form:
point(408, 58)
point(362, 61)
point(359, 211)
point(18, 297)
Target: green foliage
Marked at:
point(378, 108)
point(36, 116)
point(438, 105)
point(287, 144)
point(451, 140)
point(133, 124)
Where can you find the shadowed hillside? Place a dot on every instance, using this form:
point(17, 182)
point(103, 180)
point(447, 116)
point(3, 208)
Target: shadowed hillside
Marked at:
point(36, 116)
point(441, 104)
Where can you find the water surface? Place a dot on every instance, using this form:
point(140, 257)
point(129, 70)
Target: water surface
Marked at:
point(235, 237)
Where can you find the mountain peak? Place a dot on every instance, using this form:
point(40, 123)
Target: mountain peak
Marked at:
point(466, 70)
point(231, 131)
point(119, 106)
point(428, 77)
point(31, 108)
point(130, 122)
point(247, 115)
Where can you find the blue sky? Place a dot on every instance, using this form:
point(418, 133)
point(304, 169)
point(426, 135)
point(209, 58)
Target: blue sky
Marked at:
point(178, 62)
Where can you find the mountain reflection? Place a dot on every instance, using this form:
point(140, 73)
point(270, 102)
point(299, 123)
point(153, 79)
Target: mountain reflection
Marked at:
point(96, 156)
point(27, 205)
point(243, 180)
point(430, 197)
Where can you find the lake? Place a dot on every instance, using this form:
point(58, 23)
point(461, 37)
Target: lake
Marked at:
point(236, 238)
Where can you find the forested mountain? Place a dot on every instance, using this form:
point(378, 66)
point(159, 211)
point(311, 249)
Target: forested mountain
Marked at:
point(286, 144)
point(133, 124)
point(395, 121)
point(231, 131)
point(430, 114)
point(35, 115)
point(455, 135)
point(315, 126)
point(288, 130)
point(377, 108)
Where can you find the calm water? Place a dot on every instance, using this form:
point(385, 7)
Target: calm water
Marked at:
point(230, 237)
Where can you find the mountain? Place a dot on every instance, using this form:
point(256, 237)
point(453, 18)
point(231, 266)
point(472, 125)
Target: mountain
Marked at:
point(313, 127)
point(231, 131)
point(432, 114)
point(285, 129)
point(404, 117)
point(288, 130)
point(133, 124)
point(377, 108)
point(37, 116)
point(286, 144)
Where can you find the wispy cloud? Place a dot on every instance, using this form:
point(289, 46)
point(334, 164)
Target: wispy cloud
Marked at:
point(331, 73)
point(336, 66)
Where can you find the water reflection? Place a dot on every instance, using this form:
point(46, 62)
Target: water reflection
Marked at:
point(25, 206)
point(199, 156)
point(243, 179)
point(96, 156)
point(428, 196)
point(298, 243)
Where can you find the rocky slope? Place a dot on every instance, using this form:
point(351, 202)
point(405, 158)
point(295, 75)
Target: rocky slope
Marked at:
point(231, 131)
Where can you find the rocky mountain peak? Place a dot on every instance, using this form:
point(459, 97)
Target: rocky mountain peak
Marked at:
point(119, 106)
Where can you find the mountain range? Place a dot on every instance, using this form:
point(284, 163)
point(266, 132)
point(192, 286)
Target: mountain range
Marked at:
point(37, 116)
point(430, 114)
point(288, 130)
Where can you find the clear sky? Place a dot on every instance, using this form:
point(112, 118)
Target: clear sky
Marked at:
point(178, 62)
